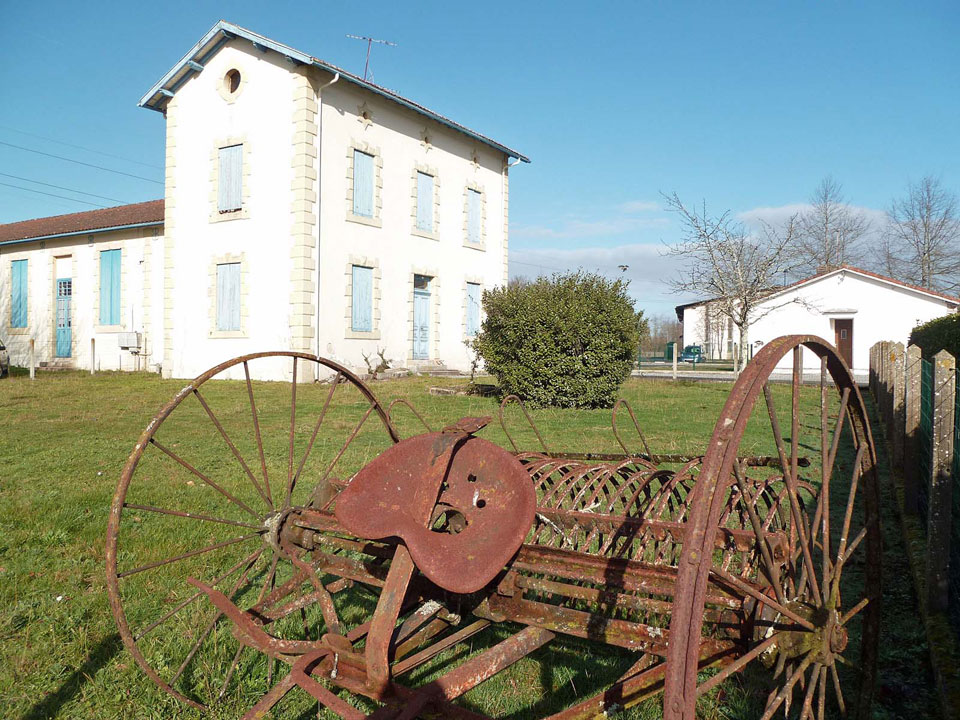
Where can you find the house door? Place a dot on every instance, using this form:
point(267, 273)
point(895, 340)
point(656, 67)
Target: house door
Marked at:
point(843, 329)
point(421, 317)
point(64, 319)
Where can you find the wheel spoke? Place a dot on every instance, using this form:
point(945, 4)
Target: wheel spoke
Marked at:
point(736, 665)
point(837, 690)
point(206, 632)
point(343, 449)
point(313, 437)
point(822, 695)
point(252, 557)
point(847, 518)
point(762, 542)
point(233, 448)
point(256, 431)
point(233, 667)
point(807, 707)
point(823, 504)
point(184, 556)
point(790, 478)
point(787, 689)
point(173, 456)
point(760, 597)
point(293, 427)
point(852, 612)
point(191, 516)
point(838, 429)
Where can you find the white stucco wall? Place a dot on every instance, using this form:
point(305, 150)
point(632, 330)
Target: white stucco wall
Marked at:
point(200, 122)
point(78, 258)
point(296, 252)
point(398, 252)
point(880, 310)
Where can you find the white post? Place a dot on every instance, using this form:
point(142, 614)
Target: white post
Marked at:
point(93, 355)
point(33, 359)
point(676, 351)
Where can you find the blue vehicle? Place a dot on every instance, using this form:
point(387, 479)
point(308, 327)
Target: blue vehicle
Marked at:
point(692, 354)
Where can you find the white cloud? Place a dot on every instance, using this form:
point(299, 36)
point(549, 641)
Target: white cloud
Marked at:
point(648, 269)
point(586, 228)
point(778, 215)
point(637, 206)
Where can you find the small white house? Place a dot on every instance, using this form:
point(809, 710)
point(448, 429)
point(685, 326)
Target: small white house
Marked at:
point(850, 307)
point(304, 209)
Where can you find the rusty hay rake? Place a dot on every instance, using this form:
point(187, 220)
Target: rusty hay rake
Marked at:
point(387, 578)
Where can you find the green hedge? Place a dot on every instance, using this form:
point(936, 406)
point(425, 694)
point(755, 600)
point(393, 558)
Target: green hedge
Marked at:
point(936, 335)
point(567, 341)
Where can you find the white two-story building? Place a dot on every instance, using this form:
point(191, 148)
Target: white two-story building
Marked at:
point(304, 209)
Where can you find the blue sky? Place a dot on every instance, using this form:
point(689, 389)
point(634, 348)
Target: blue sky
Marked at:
point(744, 105)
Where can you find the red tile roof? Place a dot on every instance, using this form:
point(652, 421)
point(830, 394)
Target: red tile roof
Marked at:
point(134, 214)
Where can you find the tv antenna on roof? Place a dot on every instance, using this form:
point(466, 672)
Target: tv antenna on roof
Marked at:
point(370, 42)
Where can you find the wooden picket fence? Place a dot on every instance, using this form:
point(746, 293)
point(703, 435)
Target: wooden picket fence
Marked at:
point(920, 409)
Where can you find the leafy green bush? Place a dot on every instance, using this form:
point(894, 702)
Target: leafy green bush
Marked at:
point(567, 341)
point(936, 335)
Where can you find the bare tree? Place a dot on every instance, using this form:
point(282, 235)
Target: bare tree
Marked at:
point(922, 239)
point(729, 264)
point(828, 234)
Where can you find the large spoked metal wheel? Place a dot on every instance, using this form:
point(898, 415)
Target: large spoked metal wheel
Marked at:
point(810, 588)
point(201, 497)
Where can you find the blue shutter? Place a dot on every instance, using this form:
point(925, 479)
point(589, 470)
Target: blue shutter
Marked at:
point(424, 202)
point(473, 309)
point(230, 184)
point(474, 217)
point(362, 306)
point(362, 184)
point(228, 296)
point(18, 300)
point(110, 287)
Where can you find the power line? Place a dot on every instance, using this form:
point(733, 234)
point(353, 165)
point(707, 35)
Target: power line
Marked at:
point(80, 147)
point(62, 197)
point(78, 162)
point(60, 187)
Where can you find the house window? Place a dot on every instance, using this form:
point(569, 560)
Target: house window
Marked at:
point(474, 217)
point(110, 287)
point(424, 202)
point(473, 309)
point(362, 299)
point(362, 184)
point(228, 296)
point(18, 297)
point(230, 187)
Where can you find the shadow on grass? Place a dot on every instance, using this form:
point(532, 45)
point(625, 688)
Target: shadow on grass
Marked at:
point(104, 651)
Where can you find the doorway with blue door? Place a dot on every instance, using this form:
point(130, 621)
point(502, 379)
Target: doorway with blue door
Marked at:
point(64, 309)
point(421, 317)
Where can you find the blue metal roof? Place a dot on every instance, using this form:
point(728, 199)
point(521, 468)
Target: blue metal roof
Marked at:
point(193, 62)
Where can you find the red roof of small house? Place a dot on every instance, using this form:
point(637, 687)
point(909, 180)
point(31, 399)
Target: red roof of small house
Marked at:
point(145, 213)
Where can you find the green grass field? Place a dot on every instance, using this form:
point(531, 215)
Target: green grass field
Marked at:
point(65, 437)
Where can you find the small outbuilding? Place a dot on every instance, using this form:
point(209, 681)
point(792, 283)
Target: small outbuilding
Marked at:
point(851, 307)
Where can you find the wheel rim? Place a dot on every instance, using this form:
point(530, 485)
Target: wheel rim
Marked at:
point(808, 676)
point(242, 477)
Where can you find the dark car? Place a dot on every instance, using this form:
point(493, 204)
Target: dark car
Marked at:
point(692, 353)
point(4, 360)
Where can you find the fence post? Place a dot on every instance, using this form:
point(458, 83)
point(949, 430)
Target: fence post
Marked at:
point(896, 431)
point(941, 482)
point(911, 430)
point(675, 348)
point(93, 355)
point(33, 359)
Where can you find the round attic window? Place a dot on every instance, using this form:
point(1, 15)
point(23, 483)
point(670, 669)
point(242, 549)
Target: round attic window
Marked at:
point(231, 81)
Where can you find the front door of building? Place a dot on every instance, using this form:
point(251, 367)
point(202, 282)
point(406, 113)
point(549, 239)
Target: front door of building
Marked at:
point(843, 330)
point(421, 317)
point(64, 317)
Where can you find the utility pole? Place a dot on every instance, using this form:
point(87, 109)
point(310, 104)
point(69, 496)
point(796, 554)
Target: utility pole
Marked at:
point(370, 41)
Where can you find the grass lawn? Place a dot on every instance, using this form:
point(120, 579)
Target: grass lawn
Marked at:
point(64, 439)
